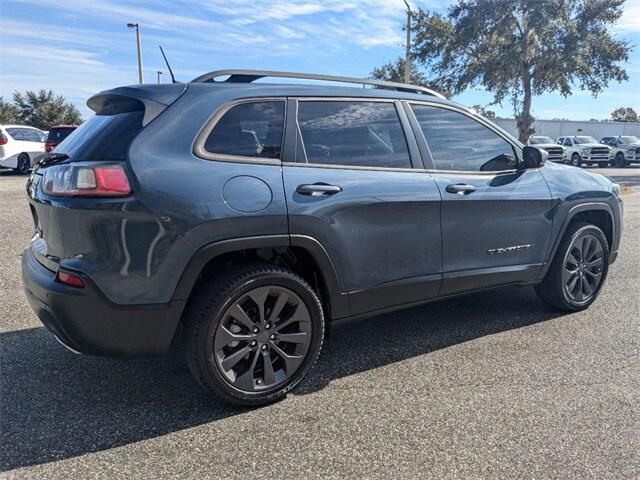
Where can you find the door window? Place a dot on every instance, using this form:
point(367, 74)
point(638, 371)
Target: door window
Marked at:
point(249, 130)
point(567, 142)
point(458, 142)
point(353, 133)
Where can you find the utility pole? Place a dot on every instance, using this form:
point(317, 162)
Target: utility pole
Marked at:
point(159, 73)
point(407, 58)
point(137, 27)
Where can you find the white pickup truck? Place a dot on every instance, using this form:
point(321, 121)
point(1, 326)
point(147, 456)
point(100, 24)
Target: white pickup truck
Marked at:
point(580, 150)
point(626, 149)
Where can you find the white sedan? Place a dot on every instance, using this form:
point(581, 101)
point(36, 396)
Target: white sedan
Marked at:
point(20, 147)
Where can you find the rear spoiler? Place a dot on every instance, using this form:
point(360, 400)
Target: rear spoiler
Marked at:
point(153, 99)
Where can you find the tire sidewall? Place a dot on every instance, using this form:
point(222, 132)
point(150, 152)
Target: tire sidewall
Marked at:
point(21, 162)
point(582, 231)
point(209, 367)
point(575, 160)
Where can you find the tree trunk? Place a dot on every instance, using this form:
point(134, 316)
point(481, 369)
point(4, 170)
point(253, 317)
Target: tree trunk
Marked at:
point(524, 118)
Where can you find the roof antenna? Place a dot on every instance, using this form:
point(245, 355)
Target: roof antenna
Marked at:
point(173, 79)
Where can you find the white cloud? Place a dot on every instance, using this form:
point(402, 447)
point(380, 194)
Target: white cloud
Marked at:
point(630, 21)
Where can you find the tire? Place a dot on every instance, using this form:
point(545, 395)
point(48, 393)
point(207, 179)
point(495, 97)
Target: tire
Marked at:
point(619, 161)
point(223, 320)
point(575, 160)
point(556, 290)
point(23, 164)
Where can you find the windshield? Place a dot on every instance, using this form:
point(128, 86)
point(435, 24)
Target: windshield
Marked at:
point(540, 140)
point(630, 139)
point(583, 140)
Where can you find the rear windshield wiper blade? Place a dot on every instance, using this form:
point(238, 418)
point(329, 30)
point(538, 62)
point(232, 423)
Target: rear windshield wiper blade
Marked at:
point(51, 158)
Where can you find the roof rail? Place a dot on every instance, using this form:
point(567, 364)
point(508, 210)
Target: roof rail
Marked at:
point(248, 76)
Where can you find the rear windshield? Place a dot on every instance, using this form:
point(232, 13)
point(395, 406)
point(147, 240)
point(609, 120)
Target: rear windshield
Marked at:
point(59, 134)
point(103, 137)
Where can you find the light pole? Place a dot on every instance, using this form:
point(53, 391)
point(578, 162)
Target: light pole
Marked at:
point(407, 58)
point(159, 72)
point(137, 27)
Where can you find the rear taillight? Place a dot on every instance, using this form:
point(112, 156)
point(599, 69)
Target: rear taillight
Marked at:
point(82, 180)
point(3, 139)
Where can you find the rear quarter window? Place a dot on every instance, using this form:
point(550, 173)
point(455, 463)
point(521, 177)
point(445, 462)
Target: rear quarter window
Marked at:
point(252, 129)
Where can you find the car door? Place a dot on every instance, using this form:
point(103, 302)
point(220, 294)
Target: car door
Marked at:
point(351, 185)
point(496, 225)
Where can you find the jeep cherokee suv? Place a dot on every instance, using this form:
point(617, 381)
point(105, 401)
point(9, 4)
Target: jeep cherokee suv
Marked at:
point(249, 215)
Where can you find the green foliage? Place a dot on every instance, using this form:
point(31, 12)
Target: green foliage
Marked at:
point(43, 109)
point(394, 72)
point(8, 113)
point(484, 112)
point(624, 114)
point(517, 49)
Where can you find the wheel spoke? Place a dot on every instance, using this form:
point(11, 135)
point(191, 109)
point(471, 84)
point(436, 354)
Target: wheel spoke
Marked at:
point(300, 337)
point(572, 261)
point(587, 289)
point(232, 360)
point(238, 313)
point(571, 284)
point(595, 275)
point(299, 315)
point(595, 263)
point(259, 297)
point(269, 376)
point(245, 381)
point(283, 298)
point(291, 362)
point(224, 337)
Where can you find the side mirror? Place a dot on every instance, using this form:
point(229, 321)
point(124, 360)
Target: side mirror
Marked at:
point(534, 157)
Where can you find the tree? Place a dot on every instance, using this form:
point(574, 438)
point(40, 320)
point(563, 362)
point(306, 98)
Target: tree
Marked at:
point(518, 49)
point(394, 72)
point(8, 113)
point(43, 109)
point(624, 114)
point(483, 111)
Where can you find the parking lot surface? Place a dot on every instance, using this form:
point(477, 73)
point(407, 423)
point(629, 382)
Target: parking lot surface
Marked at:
point(493, 385)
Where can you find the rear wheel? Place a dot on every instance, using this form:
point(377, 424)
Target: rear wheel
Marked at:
point(619, 161)
point(578, 270)
point(23, 164)
point(575, 160)
point(251, 335)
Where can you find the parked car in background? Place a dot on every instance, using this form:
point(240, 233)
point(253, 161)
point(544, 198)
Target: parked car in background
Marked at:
point(57, 134)
point(555, 151)
point(20, 147)
point(581, 150)
point(626, 149)
point(251, 214)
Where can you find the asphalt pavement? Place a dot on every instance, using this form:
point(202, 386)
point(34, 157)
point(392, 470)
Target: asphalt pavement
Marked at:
point(493, 385)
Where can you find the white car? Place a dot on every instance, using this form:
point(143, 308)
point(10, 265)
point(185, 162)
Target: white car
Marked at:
point(20, 147)
point(556, 152)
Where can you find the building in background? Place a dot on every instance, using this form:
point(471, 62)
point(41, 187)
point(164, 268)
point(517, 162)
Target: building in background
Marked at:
point(560, 128)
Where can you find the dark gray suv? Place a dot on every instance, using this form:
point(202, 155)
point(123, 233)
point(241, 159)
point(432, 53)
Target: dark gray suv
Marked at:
point(248, 215)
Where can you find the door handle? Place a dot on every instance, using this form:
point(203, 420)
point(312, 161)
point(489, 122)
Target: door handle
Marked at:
point(318, 189)
point(461, 188)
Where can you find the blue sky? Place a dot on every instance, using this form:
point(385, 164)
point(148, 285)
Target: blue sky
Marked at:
point(78, 47)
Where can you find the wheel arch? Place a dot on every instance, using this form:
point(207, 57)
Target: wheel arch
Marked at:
point(302, 254)
point(597, 213)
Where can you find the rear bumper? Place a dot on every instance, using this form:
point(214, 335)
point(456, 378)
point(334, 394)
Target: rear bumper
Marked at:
point(86, 322)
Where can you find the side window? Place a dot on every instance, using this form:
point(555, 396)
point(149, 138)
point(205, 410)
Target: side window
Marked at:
point(362, 134)
point(31, 135)
point(458, 142)
point(249, 130)
point(567, 142)
point(16, 133)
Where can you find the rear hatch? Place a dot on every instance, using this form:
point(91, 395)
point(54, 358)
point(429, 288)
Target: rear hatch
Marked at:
point(86, 182)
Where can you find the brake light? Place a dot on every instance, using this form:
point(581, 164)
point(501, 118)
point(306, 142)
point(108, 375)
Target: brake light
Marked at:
point(70, 279)
point(81, 180)
point(3, 139)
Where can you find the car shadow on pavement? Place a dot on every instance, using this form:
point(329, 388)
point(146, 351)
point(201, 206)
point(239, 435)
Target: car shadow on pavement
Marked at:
point(56, 405)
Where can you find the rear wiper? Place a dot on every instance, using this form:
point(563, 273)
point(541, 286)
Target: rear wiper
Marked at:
point(51, 158)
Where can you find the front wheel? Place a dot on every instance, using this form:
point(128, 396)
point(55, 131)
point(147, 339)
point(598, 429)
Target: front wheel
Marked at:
point(251, 335)
point(575, 160)
point(23, 164)
point(619, 162)
point(578, 270)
